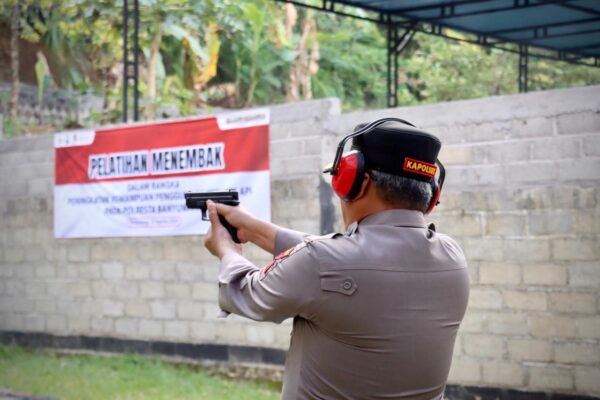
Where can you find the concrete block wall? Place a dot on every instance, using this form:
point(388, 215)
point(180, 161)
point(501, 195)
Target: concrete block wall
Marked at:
point(137, 288)
point(522, 198)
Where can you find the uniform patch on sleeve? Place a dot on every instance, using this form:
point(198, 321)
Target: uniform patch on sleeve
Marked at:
point(282, 256)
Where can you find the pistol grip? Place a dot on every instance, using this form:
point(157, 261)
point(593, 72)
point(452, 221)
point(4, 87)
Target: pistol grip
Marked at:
point(230, 228)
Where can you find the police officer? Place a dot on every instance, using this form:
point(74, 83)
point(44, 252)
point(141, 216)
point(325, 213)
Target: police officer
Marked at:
point(376, 310)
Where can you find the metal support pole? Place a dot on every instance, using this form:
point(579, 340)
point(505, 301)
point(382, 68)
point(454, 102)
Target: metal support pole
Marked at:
point(128, 62)
point(395, 70)
point(136, 52)
point(396, 43)
point(125, 57)
point(392, 67)
point(389, 65)
point(523, 68)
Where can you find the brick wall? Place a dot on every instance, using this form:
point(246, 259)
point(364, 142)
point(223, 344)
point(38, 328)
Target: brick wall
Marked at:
point(522, 198)
point(147, 288)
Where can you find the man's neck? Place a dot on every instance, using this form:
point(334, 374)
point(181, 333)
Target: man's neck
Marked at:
point(367, 203)
point(373, 210)
point(362, 211)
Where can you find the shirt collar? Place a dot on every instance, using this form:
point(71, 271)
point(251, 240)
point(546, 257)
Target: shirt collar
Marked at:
point(396, 217)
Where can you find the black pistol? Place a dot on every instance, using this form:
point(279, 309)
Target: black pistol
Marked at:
point(198, 200)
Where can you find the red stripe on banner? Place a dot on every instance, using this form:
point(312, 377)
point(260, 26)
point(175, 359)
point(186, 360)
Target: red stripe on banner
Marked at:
point(245, 149)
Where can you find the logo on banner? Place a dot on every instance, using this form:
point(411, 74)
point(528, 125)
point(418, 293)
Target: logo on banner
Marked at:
point(243, 119)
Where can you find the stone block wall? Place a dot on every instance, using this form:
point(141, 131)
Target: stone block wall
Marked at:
point(522, 197)
point(142, 288)
point(57, 107)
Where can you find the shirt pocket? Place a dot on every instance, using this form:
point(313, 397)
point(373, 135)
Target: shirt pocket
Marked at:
point(338, 283)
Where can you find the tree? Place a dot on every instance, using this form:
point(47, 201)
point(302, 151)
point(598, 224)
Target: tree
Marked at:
point(307, 60)
point(352, 62)
point(186, 23)
point(256, 54)
point(14, 60)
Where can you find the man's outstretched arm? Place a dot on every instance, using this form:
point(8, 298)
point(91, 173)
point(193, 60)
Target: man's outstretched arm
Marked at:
point(266, 235)
point(283, 289)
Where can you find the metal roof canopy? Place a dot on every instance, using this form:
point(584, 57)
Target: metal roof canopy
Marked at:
point(564, 30)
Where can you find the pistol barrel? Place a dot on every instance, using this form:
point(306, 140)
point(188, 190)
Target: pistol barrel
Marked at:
point(199, 199)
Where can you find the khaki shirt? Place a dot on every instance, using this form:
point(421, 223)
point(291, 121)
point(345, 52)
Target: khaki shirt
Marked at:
point(375, 311)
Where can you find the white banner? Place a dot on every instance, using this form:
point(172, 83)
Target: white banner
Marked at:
point(131, 181)
point(150, 207)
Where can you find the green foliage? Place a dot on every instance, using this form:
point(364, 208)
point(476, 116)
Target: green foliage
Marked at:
point(251, 58)
point(42, 75)
point(238, 53)
point(438, 70)
point(547, 74)
point(10, 127)
point(353, 63)
point(128, 377)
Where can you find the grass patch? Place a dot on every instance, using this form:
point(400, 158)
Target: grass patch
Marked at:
point(129, 377)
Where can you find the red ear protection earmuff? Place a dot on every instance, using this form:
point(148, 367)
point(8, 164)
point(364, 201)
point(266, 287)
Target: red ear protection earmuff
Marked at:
point(436, 187)
point(346, 183)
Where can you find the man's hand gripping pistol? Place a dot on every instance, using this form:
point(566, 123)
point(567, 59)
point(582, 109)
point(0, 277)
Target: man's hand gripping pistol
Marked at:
point(198, 200)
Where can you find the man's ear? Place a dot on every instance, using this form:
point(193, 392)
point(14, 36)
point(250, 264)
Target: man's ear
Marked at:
point(363, 187)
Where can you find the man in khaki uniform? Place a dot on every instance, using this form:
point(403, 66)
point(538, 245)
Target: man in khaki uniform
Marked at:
point(376, 310)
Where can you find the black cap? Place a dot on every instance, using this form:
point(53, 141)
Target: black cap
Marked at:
point(399, 149)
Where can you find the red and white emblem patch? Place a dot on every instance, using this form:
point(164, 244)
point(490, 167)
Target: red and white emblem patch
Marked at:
point(281, 256)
